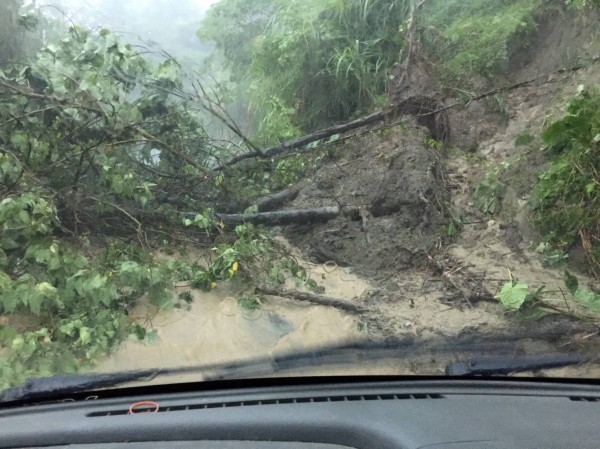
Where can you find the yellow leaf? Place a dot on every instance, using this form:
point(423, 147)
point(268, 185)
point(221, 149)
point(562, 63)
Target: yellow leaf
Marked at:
point(235, 266)
point(213, 285)
point(222, 225)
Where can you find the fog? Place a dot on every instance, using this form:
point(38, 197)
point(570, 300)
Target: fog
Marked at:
point(158, 25)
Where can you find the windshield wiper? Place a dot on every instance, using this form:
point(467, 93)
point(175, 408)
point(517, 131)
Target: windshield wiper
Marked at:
point(487, 366)
point(50, 388)
point(44, 387)
point(349, 353)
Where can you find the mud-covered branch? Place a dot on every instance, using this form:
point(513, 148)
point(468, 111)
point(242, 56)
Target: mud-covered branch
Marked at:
point(275, 200)
point(312, 298)
point(269, 202)
point(283, 217)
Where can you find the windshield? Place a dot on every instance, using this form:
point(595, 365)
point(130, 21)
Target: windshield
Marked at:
point(195, 182)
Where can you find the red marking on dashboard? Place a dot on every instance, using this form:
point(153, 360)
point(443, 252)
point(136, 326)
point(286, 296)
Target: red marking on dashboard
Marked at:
point(143, 405)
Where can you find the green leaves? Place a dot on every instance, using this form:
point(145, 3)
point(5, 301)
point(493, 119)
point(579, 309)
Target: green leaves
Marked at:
point(571, 283)
point(488, 194)
point(513, 295)
point(305, 64)
point(469, 37)
point(583, 296)
point(566, 198)
point(91, 132)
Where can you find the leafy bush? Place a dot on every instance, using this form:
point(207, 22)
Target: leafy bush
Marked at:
point(470, 37)
point(566, 199)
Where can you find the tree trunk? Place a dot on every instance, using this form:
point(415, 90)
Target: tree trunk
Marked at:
point(277, 199)
point(283, 217)
point(305, 140)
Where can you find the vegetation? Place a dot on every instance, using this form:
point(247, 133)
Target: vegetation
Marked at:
point(310, 62)
point(106, 157)
point(100, 150)
point(471, 37)
point(307, 64)
point(518, 297)
point(567, 197)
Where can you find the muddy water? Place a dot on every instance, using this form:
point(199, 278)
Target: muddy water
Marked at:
point(216, 330)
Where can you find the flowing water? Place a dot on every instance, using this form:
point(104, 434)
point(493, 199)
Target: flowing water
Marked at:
point(216, 329)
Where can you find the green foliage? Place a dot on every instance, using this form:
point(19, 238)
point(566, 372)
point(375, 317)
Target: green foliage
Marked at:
point(235, 26)
point(582, 295)
point(550, 256)
point(513, 295)
point(228, 258)
point(19, 32)
point(488, 193)
point(517, 297)
point(524, 139)
point(249, 302)
point(308, 63)
point(93, 139)
point(470, 37)
point(280, 270)
point(566, 199)
point(583, 3)
point(261, 177)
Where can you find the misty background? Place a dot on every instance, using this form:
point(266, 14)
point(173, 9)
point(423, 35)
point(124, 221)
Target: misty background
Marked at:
point(158, 25)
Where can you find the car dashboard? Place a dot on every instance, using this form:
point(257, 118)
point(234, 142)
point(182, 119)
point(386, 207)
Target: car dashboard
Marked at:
point(316, 414)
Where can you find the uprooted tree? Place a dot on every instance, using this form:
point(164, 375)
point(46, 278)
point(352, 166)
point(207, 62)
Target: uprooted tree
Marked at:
point(101, 152)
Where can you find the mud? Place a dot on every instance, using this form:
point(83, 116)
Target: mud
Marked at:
point(395, 181)
point(216, 329)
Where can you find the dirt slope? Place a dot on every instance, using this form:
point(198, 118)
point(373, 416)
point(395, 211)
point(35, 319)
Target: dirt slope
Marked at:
point(425, 283)
point(395, 181)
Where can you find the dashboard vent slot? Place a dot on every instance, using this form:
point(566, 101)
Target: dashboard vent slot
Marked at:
point(585, 398)
point(297, 400)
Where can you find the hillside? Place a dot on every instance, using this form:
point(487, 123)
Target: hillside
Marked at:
point(418, 173)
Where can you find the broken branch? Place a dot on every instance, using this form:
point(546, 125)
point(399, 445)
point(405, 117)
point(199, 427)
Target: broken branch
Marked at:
point(312, 298)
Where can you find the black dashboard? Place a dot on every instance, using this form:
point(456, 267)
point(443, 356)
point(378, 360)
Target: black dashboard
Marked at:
point(319, 414)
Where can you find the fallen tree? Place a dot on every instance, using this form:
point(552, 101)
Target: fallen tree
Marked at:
point(409, 106)
point(310, 138)
point(275, 200)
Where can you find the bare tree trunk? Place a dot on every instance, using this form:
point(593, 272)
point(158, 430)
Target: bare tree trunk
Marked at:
point(277, 199)
point(305, 140)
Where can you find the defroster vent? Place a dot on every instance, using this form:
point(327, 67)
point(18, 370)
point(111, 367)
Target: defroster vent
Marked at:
point(279, 401)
